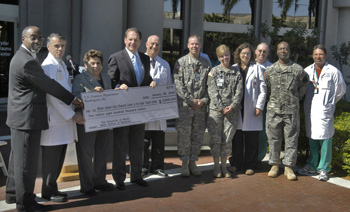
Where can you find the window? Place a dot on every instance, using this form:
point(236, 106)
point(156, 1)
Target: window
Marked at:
point(238, 13)
point(301, 12)
point(172, 9)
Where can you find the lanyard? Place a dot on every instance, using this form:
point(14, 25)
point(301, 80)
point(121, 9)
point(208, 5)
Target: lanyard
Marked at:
point(315, 80)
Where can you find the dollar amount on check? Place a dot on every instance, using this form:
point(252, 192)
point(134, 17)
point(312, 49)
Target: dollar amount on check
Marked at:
point(118, 108)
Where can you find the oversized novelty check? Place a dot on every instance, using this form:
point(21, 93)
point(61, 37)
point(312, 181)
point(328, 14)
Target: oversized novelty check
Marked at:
point(118, 108)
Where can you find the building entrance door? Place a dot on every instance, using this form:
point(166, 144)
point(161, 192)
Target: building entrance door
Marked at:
point(8, 43)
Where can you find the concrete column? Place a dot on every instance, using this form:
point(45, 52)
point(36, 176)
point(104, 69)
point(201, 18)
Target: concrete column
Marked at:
point(196, 18)
point(57, 18)
point(266, 16)
point(75, 36)
point(102, 27)
point(146, 16)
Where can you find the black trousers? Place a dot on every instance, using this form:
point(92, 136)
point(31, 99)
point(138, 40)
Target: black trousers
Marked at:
point(128, 138)
point(157, 138)
point(245, 146)
point(23, 167)
point(52, 162)
point(92, 157)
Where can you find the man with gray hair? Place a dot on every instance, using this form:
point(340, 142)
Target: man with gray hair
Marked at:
point(262, 52)
point(62, 118)
point(155, 131)
point(190, 78)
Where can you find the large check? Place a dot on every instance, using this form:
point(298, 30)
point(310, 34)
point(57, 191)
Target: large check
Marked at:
point(118, 108)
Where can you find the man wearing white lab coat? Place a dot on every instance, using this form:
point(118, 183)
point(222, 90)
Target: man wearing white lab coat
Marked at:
point(62, 129)
point(325, 89)
point(262, 51)
point(155, 131)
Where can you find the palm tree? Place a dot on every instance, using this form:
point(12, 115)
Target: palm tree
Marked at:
point(313, 11)
point(228, 5)
point(286, 4)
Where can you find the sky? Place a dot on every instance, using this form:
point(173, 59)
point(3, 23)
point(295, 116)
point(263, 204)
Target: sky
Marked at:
point(242, 7)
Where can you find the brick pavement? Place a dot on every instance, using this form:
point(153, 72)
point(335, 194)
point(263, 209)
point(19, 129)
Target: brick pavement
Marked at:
point(239, 193)
point(205, 193)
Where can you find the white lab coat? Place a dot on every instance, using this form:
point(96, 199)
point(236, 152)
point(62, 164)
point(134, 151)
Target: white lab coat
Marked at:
point(62, 129)
point(319, 108)
point(254, 97)
point(161, 73)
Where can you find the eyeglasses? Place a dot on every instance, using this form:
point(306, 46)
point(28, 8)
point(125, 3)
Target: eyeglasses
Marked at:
point(262, 51)
point(245, 53)
point(35, 38)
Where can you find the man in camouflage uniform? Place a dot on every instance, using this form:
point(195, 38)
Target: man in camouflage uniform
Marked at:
point(286, 84)
point(190, 78)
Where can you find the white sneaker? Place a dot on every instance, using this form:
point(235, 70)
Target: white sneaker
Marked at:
point(323, 175)
point(306, 170)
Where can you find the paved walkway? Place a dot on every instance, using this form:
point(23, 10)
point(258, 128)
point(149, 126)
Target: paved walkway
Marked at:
point(206, 193)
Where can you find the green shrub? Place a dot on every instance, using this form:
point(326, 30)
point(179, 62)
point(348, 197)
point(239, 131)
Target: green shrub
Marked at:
point(346, 157)
point(341, 147)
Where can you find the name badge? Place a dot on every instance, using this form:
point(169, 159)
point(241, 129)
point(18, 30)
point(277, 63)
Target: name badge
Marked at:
point(220, 82)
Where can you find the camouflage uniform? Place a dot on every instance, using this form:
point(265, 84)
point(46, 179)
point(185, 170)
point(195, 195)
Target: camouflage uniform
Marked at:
point(284, 90)
point(225, 88)
point(190, 78)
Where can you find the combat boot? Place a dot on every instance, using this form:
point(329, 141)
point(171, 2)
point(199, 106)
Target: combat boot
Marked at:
point(217, 170)
point(225, 172)
point(273, 171)
point(194, 169)
point(289, 173)
point(185, 172)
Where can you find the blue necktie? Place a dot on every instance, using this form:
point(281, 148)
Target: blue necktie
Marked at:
point(138, 70)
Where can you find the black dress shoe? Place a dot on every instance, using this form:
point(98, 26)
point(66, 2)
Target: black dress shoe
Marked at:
point(160, 172)
point(105, 187)
point(90, 193)
point(120, 186)
point(55, 198)
point(62, 193)
point(141, 182)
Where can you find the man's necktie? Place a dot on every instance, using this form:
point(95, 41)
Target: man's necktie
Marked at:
point(153, 62)
point(138, 70)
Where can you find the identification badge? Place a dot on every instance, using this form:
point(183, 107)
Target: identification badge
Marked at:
point(220, 82)
point(315, 90)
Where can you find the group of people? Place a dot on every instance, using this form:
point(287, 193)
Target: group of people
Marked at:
point(228, 100)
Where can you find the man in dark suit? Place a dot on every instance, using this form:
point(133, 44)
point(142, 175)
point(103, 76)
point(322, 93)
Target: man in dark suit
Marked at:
point(129, 68)
point(26, 117)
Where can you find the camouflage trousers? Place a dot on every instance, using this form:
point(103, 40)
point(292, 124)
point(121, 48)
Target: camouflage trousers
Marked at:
point(190, 127)
point(222, 129)
point(281, 127)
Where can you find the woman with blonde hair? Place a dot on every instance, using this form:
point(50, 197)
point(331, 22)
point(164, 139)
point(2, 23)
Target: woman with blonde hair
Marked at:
point(225, 93)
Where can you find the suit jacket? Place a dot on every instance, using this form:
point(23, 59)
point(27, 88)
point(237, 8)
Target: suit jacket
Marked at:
point(85, 82)
point(121, 70)
point(28, 86)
